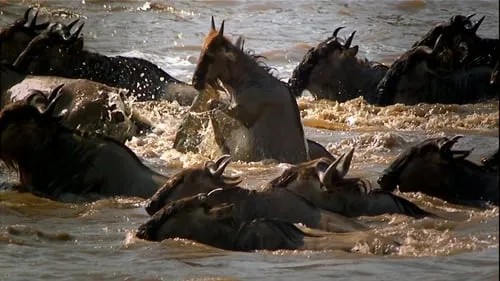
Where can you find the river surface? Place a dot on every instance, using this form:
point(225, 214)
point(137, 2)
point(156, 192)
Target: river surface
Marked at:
point(45, 240)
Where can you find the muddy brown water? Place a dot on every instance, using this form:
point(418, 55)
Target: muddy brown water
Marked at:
point(46, 240)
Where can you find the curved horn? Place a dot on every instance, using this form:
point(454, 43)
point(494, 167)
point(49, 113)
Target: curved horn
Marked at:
point(477, 24)
point(54, 92)
point(334, 171)
point(71, 24)
point(27, 13)
point(437, 46)
point(35, 97)
point(221, 29)
point(349, 40)
point(446, 146)
point(75, 34)
point(54, 97)
point(336, 31)
point(30, 23)
point(213, 24)
point(470, 16)
point(220, 165)
point(214, 191)
point(239, 42)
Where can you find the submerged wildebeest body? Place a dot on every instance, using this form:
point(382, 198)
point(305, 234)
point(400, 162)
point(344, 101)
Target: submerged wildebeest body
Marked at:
point(195, 219)
point(448, 174)
point(91, 106)
point(199, 219)
point(62, 164)
point(16, 36)
point(416, 77)
point(332, 70)
point(58, 52)
point(321, 182)
point(279, 204)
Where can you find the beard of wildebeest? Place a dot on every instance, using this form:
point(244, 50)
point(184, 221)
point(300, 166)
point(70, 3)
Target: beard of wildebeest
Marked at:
point(262, 103)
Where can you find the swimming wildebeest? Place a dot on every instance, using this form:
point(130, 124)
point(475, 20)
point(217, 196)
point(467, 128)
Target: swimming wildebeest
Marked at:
point(15, 37)
point(198, 219)
point(58, 52)
point(63, 164)
point(322, 182)
point(261, 103)
point(332, 70)
point(91, 106)
point(416, 77)
point(275, 203)
point(433, 168)
point(466, 47)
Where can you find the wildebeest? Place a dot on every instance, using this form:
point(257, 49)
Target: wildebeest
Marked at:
point(58, 52)
point(261, 103)
point(433, 168)
point(91, 106)
point(416, 77)
point(198, 219)
point(332, 70)
point(280, 204)
point(229, 133)
point(15, 37)
point(466, 47)
point(322, 183)
point(63, 164)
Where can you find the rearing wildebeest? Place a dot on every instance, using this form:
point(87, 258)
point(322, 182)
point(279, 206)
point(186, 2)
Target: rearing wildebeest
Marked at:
point(58, 52)
point(433, 168)
point(332, 70)
point(63, 164)
point(270, 118)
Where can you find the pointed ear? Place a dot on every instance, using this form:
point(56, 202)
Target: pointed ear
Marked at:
point(352, 52)
point(212, 27)
point(221, 29)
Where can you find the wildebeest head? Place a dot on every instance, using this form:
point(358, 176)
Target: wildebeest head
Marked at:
point(187, 218)
point(193, 181)
point(23, 127)
point(215, 52)
point(51, 49)
point(434, 168)
point(196, 219)
point(328, 61)
point(409, 73)
point(16, 36)
point(319, 175)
